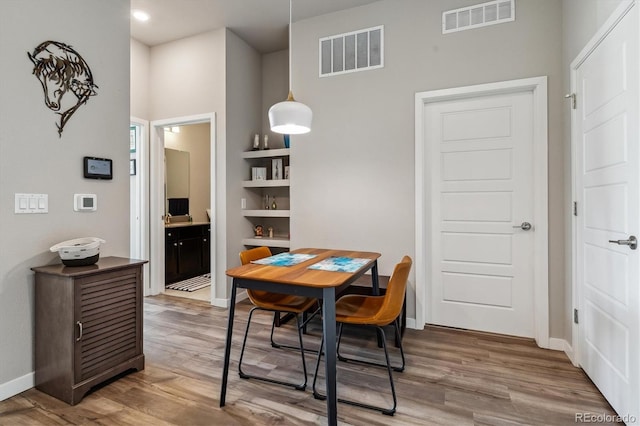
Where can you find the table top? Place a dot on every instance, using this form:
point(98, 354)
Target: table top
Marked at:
point(300, 274)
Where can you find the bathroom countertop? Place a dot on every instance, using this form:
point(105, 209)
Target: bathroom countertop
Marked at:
point(183, 224)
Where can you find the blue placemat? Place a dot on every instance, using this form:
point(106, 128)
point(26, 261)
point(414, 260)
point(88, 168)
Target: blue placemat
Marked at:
point(284, 259)
point(340, 264)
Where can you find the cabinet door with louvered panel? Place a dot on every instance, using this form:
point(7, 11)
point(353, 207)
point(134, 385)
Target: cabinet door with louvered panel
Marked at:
point(108, 321)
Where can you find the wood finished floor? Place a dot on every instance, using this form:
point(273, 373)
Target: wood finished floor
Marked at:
point(452, 378)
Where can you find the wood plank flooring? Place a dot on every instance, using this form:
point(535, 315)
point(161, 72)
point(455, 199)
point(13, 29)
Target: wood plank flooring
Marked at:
point(452, 377)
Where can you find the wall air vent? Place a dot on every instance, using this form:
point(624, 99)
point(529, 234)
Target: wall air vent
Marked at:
point(479, 15)
point(350, 52)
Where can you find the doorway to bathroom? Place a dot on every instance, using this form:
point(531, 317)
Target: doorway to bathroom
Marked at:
point(182, 199)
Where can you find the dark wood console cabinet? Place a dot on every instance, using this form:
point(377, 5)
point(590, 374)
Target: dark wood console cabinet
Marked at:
point(88, 322)
point(187, 251)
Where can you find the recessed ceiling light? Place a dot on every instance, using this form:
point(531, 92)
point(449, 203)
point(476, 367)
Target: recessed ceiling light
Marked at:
point(140, 15)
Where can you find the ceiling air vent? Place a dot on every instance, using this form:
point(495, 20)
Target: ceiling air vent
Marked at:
point(479, 15)
point(350, 52)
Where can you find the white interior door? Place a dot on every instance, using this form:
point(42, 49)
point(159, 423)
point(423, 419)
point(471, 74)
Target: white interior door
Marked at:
point(608, 195)
point(139, 197)
point(482, 213)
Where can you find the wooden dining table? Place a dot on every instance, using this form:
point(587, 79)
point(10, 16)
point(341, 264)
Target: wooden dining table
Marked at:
point(299, 280)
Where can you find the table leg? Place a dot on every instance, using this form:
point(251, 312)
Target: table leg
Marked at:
point(375, 283)
point(329, 332)
point(227, 348)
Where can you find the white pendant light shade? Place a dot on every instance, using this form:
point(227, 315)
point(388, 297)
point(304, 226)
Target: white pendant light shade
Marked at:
point(290, 117)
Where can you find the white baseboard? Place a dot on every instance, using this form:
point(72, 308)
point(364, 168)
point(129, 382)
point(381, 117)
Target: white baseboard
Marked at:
point(224, 303)
point(562, 345)
point(241, 296)
point(411, 323)
point(16, 386)
point(220, 303)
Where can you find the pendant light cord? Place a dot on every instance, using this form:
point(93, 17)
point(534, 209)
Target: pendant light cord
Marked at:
point(290, 50)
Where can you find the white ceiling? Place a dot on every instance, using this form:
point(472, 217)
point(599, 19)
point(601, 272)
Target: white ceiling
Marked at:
point(261, 23)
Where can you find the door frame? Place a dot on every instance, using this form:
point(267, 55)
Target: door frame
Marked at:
point(538, 87)
point(576, 289)
point(142, 184)
point(157, 201)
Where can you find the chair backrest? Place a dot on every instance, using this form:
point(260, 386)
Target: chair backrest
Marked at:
point(247, 256)
point(394, 296)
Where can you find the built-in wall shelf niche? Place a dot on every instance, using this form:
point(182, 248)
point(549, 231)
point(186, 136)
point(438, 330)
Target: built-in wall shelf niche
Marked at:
point(260, 192)
point(281, 242)
point(266, 213)
point(265, 183)
point(266, 153)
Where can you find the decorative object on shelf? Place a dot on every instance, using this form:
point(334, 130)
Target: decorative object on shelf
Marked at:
point(258, 173)
point(270, 230)
point(256, 142)
point(266, 202)
point(276, 168)
point(290, 116)
point(286, 172)
point(266, 142)
point(257, 231)
point(274, 206)
point(287, 140)
point(60, 69)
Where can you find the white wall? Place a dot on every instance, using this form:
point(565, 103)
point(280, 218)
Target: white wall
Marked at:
point(581, 19)
point(33, 159)
point(353, 183)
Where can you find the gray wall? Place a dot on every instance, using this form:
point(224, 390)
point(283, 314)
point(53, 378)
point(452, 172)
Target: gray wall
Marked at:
point(275, 87)
point(243, 109)
point(193, 76)
point(140, 60)
point(187, 77)
point(581, 19)
point(33, 159)
point(353, 183)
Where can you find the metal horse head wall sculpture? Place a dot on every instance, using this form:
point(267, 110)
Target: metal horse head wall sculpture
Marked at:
point(61, 70)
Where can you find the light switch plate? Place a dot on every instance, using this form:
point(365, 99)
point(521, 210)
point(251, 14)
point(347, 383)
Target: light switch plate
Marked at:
point(31, 203)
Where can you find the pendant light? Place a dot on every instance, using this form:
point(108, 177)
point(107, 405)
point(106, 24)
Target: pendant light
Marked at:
point(290, 117)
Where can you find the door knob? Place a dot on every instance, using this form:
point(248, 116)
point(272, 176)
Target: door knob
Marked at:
point(632, 242)
point(525, 226)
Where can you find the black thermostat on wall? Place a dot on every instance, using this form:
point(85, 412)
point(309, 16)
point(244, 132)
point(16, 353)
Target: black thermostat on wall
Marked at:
point(98, 168)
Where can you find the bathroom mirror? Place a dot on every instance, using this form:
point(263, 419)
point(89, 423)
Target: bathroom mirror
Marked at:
point(176, 175)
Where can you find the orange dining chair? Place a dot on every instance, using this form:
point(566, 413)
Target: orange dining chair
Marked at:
point(276, 303)
point(377, 312)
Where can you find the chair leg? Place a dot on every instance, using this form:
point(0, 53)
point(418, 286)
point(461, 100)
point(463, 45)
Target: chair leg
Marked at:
point(381, 344)
point(303, 325)
point(387, 411)
point(317, 394)
point(399, 345)
point(243, 375)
